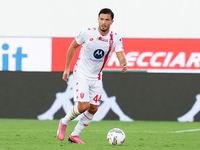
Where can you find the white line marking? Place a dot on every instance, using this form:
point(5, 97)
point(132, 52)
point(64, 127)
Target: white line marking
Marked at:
point(181, 131)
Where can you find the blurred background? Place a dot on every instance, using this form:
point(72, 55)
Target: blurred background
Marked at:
point(161, 42)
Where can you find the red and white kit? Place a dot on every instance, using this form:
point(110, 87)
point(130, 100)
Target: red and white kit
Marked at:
point(95, 51)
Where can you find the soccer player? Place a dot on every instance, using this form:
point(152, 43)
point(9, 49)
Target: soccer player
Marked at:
point(97, 45)
point(63, 100)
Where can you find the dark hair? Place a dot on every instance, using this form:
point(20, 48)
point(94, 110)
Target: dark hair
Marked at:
point(107, 11)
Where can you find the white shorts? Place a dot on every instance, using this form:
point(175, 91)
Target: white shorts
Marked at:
point(86, 90)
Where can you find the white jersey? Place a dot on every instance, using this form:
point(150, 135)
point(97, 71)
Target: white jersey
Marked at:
point(95, 51)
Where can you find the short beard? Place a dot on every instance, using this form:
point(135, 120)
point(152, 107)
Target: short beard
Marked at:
point(103, 30)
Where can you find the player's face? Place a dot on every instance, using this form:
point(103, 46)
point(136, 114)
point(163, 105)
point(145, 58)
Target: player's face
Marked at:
point(105, 21)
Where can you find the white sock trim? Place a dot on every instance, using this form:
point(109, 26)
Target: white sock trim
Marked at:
point(71, 115)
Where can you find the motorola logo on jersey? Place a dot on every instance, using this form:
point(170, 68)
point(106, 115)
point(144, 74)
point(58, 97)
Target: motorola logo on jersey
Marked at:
point(98, 54)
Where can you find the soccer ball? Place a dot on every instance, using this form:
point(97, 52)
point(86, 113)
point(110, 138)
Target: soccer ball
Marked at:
point(116, 136)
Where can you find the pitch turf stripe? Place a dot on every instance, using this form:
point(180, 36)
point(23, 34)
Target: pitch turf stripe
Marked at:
point(181, 131)
point(130, 131)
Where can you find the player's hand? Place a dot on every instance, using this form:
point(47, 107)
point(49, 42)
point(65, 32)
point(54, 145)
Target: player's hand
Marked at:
point(124, 67)
point(65, 75)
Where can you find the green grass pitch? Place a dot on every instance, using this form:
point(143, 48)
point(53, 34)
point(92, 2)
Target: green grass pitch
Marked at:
point(22, 134)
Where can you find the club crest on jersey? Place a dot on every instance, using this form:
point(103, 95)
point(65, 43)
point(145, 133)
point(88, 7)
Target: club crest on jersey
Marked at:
point(98, 54)
point(82, 95)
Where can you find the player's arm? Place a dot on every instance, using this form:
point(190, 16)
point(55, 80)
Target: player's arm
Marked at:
point(122, 61)
point(70, 55)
